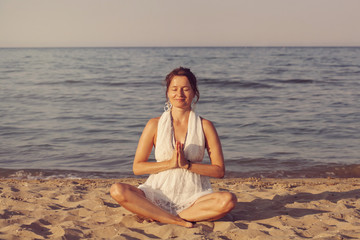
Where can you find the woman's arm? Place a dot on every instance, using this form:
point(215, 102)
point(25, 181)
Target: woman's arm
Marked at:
point(144, 148)
point(216, 168)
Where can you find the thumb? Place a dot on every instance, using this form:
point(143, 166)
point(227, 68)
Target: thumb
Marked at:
point(178, 146)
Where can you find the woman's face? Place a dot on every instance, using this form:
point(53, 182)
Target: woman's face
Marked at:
point(180, 93)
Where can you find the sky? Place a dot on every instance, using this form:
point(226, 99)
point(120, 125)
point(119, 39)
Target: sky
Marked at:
point(125, 23)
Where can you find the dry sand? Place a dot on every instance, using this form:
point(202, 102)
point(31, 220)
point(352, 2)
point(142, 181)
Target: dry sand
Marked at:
point(266, 209)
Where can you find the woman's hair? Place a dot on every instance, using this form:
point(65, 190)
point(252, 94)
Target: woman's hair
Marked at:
point(183, 72)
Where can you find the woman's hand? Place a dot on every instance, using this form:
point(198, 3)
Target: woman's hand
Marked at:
point(174, 162)
point(178, 159)
point(182, 162)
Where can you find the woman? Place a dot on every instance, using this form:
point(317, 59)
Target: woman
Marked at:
point(178, 190)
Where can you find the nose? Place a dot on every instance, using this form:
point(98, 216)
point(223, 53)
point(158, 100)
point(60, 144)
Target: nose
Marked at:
point(180, 92)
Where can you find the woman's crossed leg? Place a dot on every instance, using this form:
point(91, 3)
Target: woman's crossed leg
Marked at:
point(134, 200)
point(207, 208)
point(210, 207)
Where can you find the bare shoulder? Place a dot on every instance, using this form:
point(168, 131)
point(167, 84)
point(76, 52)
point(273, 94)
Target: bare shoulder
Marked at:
point(151, 127)
point(210, 133)
point(207, 124)
point(152, 124)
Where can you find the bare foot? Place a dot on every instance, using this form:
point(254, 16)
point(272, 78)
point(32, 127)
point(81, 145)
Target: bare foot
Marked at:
point(186, 224)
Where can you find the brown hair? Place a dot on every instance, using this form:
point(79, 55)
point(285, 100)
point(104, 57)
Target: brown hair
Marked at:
point(181, 71)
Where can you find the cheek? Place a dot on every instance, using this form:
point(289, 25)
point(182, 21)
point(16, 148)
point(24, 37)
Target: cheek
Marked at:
point(170, 94)
point(192, 94)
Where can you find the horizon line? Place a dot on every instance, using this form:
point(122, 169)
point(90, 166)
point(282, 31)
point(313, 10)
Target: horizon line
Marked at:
point(214, 46)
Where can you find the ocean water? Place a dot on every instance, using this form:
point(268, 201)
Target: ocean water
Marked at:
point(279, 112)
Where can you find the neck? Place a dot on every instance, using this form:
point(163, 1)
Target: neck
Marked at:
point(180, 114)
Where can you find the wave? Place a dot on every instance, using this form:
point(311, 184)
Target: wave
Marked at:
point(65, 82)
point(290, 81)
point(234, 84)
point(316, 171)
point(297, 81)
point(33, 174)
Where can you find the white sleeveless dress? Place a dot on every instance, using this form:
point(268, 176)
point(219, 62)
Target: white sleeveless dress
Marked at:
point(177, 189)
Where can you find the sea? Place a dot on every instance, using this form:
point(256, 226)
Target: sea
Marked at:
point(280, 112)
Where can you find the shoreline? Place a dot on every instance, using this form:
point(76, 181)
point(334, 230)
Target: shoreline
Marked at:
point(267, 208)
point(316, 171)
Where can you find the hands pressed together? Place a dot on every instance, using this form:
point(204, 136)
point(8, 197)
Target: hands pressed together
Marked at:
point(178, 159)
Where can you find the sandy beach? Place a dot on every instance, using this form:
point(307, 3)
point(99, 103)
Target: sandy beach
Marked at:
point(266, 209)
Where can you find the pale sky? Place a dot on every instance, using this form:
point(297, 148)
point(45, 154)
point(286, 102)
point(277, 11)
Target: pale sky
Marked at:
point(91, 23)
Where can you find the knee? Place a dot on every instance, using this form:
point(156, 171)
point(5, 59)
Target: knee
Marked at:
point(227, 201)
point(118, 192)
